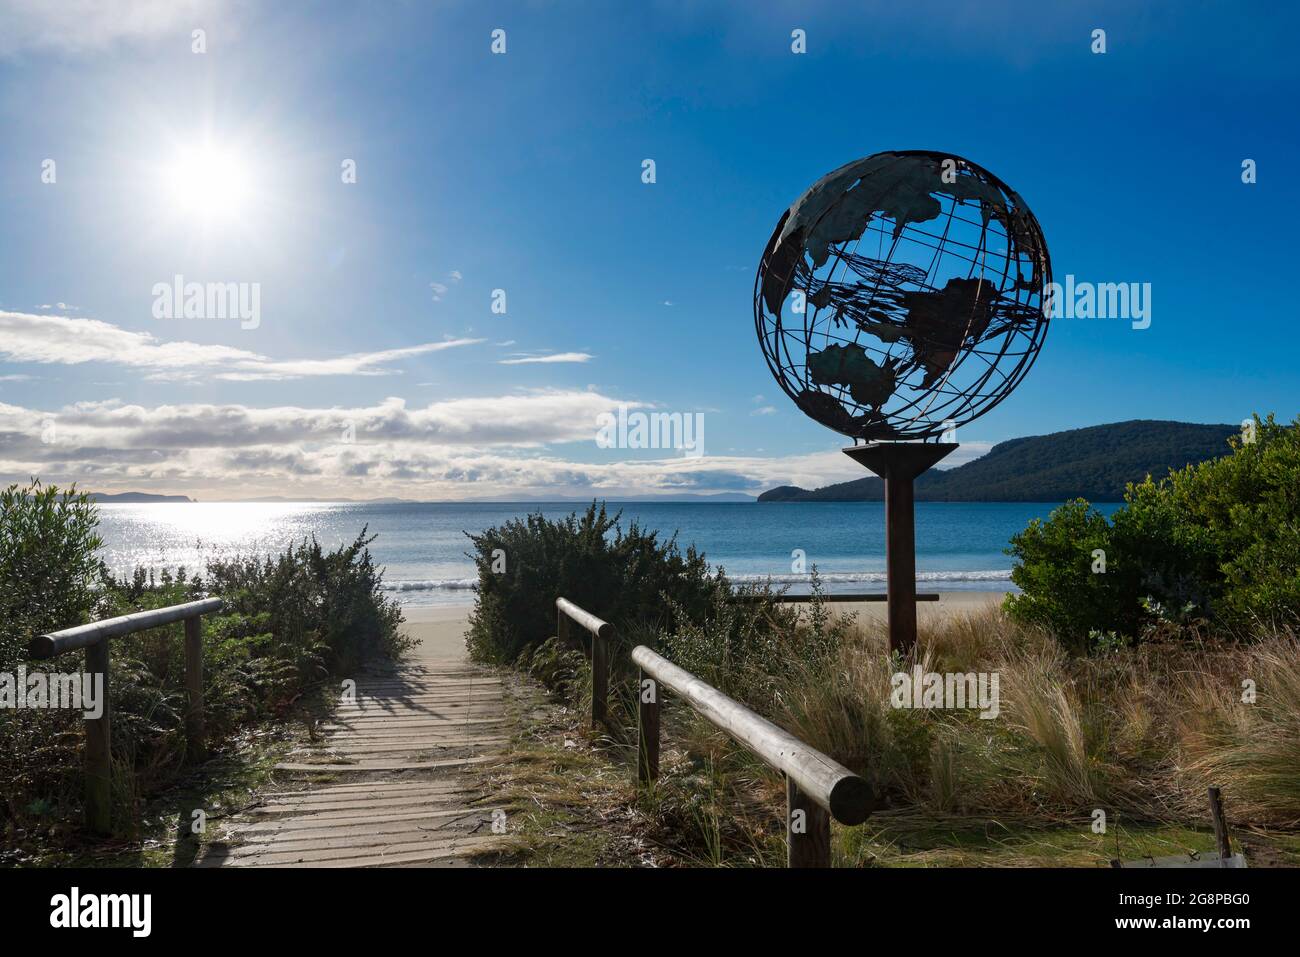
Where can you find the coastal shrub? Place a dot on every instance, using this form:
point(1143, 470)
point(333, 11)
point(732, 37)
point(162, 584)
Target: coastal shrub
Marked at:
point(1248, 503)
point(323, 611)
point(619, 575)
point(1059, 589)
point(48, 566)
point(1217, 542)
point(48, 577)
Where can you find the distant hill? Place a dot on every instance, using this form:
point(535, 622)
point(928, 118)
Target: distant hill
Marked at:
point(135, 498)
point(1093, 463)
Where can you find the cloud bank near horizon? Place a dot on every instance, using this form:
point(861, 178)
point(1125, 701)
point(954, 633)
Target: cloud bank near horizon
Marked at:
point(487, 446)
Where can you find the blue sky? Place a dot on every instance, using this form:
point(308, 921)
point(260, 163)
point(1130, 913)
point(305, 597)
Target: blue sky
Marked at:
point(522, 172)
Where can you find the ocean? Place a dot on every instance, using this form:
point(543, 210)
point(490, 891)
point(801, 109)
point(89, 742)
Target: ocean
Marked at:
point(423, 546)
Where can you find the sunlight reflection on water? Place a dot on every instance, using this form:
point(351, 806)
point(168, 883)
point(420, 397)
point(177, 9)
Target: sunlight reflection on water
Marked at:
point(171, 535)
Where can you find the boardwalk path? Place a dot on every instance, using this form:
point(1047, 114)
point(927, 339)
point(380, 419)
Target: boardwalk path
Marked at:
point(401, 787)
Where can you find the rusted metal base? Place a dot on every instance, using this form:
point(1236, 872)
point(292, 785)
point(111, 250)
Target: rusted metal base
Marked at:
point(899, 463)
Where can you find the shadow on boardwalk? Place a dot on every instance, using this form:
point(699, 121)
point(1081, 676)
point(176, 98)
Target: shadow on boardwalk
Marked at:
point(390, 783)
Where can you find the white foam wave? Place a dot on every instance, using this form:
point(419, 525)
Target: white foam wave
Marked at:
point(435, 584)
point(830, 578)
point(849, 578)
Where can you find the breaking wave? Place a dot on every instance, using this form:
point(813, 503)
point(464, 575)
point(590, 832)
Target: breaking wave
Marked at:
point(829, 578)
point(853, 578)
point(436, 584)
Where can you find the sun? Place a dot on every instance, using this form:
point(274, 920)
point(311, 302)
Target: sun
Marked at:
point(209, 183)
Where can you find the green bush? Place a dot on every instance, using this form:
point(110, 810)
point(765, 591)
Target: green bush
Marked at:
point(1054, 572)
point(652, 592)
point(1218, 541)
point(48, 566)
point(322, 611)
point(48, 574)
point(1248, 503)
point(620, 576)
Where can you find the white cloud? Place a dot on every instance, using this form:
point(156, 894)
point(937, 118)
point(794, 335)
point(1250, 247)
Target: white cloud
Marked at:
point(523, 420)
point(76, 26)
point(553, 357)
point(71, 341)
point(357, 363)
point(440, 288)
point(765, 410)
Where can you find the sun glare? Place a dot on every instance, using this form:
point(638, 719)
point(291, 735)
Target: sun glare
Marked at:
point(209, 183)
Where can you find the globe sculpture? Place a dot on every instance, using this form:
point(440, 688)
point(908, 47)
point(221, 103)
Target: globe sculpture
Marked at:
point(902, 295)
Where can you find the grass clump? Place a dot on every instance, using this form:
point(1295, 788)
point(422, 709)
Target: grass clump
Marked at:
point(1140, 731)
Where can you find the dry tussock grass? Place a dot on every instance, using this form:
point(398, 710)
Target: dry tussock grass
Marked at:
point(1141, 729)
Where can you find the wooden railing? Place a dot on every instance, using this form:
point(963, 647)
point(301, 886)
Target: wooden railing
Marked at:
point(94, 637)
point(817, 787)
point(601, 633)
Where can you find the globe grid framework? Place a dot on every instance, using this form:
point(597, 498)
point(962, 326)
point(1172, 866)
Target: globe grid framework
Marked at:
point(933, 330)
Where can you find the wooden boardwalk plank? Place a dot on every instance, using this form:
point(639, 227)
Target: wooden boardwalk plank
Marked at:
point(385, 765)
point(260, 855)
point(361, 804)
point(368, 822)
point(402, 792)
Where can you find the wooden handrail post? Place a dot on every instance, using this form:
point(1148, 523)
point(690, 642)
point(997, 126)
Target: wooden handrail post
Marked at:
point(1221, 841)
point(808, 829)
point(195, 726)
point(599, 681)
point(94, 638)
point(99, 748)
point(602, 632)
point(648, 698)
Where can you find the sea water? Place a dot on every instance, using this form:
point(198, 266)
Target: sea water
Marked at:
point(423, 547)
